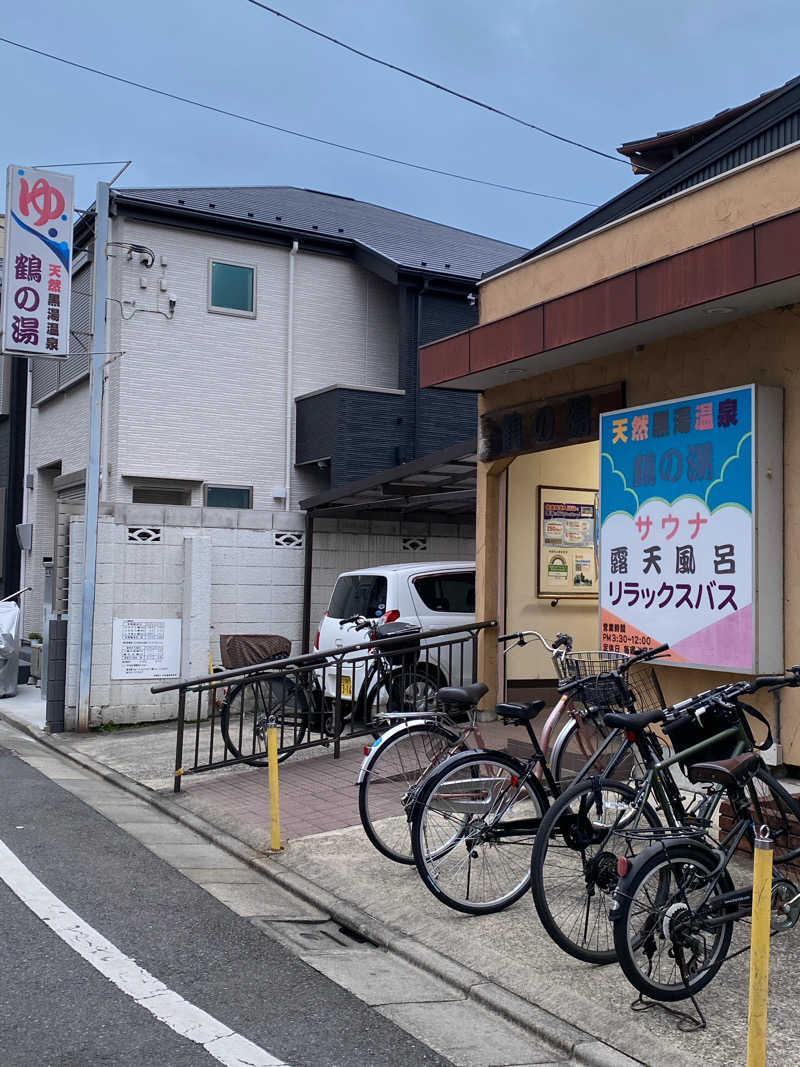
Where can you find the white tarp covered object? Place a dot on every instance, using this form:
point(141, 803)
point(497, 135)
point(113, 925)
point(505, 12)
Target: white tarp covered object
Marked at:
point(9, 647)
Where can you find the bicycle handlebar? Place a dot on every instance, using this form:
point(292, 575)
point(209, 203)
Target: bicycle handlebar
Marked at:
point(561, 640)
point(361, 621)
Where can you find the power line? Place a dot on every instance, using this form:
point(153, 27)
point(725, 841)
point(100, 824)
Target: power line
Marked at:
point(433, 84)
point(291, 133)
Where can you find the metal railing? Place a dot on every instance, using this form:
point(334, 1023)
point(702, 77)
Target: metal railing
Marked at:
point(317, 699)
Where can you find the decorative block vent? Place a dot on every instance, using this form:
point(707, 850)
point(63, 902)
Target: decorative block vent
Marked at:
point(415, 544)
point(144, 535)
point(290, 539)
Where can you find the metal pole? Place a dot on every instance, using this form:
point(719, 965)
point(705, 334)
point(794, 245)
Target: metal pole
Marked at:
point(759, 950)
point(308, 572)
point(93, 466)
point(274, 799)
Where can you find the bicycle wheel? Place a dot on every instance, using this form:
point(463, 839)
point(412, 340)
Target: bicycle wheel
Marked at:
point(771, 804)
point(579, 740)
point(473, 827)
point(412, 693)
point(574, 864)
point(663, 933)
point(390, 776)
point(247, 708)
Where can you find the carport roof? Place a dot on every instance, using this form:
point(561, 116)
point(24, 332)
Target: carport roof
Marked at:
point(440, 487)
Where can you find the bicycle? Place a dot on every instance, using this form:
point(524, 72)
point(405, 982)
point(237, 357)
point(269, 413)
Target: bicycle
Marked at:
point(476, 815)
point(294, 699)
point(401, 757)
point(574, 861)
point(676, 904)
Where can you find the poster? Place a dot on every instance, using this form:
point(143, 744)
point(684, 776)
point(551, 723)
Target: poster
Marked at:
point(146, 648)
point(37, 274)
point(677, 538)
point(567, 542)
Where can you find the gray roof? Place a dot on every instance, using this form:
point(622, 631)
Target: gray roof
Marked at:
point(407, 241)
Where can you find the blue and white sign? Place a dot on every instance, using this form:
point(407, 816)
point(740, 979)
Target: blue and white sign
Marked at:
point(677, 552)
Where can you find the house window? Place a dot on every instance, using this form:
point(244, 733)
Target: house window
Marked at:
point(229, 496)
point(231, 288)
point(157, 494)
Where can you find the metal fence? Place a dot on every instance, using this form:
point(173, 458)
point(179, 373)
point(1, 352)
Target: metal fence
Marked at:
point(318, 699)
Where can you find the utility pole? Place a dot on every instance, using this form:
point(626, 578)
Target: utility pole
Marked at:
point(96, 372)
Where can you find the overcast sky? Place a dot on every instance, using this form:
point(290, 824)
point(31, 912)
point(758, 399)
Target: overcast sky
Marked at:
point(601, 73)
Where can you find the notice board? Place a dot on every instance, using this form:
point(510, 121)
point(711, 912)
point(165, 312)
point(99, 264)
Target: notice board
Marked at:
point(146, 648)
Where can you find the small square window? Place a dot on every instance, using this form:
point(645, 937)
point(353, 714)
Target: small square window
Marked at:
point(229, 496)
point(231, 288)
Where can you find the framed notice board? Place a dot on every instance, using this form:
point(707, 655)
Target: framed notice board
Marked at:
point(567, 543)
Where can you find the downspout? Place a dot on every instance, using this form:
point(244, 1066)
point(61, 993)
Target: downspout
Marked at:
point(289, 377)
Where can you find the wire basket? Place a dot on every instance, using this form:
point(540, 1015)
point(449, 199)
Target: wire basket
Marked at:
point(585, 664)
point(638, 687)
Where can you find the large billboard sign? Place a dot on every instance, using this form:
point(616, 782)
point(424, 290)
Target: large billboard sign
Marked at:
point(38, 262)
point(678, 513)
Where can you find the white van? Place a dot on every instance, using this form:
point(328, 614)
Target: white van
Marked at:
point(434, 596)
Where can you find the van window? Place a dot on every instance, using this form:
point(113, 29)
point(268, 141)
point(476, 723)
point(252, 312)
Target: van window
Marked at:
point(447, 592)
point(358, 594)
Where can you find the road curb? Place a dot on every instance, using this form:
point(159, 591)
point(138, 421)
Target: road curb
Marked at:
point(583, 1048)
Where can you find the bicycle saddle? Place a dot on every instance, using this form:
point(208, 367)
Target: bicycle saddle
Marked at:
point(723, 771)
point(466, 697)
point(633, 720)
point(521, 712)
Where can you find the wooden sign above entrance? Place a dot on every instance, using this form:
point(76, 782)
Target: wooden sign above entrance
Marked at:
point(552, 423)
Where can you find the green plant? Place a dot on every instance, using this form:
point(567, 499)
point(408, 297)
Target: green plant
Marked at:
point(34, 636)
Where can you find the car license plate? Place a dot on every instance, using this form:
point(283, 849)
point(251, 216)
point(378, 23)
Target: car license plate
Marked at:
point(347, 686)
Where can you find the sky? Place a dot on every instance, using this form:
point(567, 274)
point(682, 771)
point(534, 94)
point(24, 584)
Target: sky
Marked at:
point(597, 73)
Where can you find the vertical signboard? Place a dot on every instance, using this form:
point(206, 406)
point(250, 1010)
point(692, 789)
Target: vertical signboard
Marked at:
point(679, 519)
point(38, 262)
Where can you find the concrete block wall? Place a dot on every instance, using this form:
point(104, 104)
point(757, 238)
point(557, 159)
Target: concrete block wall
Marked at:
point(256, 584)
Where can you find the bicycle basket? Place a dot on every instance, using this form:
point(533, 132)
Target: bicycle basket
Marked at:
point(404, 650)
point(600, 690)
point(250, 650)
point(585, 664)
point(686, 729)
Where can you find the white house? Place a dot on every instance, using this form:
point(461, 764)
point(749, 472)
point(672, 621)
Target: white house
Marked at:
point(234, 315)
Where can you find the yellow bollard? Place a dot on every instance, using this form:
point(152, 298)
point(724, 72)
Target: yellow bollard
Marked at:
point(759, 950)
point(274, 799)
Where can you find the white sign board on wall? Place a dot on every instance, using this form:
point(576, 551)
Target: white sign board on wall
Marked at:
point(692, 513)
point(37, 274)
point(146, 648)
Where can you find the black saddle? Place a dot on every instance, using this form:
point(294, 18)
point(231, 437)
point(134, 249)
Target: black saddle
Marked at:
point(723, 771)
point(520, 712)
point(464, 697)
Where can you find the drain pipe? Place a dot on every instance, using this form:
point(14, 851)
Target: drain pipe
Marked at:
point(289, 377)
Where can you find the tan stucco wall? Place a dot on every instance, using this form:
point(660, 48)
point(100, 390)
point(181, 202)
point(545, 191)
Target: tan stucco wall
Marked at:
point(577, 467)
point(764, 349)
point(758, 191)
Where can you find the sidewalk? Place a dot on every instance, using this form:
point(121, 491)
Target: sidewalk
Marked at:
point(327, 859)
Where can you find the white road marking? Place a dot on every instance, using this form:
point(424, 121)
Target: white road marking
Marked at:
point(187, 1020)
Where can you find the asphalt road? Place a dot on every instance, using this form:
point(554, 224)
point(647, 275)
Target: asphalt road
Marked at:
point(58, 1010)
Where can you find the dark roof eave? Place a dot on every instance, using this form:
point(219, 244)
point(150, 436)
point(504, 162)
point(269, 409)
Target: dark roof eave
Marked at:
point(252, 229)
point(649, 189)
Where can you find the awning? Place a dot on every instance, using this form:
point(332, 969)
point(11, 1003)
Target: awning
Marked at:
point(439, 487)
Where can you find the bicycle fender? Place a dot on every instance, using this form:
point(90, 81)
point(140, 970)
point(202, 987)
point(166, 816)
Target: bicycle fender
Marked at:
point(658, 848)
point(393, 731)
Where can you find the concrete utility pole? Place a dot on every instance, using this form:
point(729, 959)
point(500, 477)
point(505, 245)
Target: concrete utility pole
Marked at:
point(96, 371)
